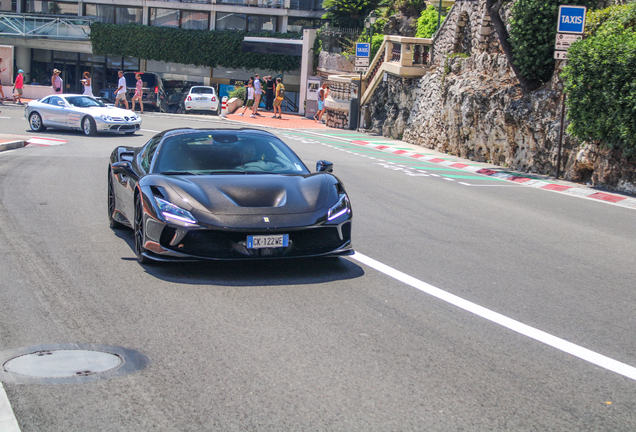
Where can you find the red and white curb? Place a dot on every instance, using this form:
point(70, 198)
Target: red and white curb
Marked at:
point(44, 142)
point(581, 192)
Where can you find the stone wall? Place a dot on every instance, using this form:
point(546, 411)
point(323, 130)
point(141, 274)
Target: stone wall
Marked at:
point(472, 106)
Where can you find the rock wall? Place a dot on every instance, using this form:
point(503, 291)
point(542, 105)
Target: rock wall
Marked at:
point(470, 104)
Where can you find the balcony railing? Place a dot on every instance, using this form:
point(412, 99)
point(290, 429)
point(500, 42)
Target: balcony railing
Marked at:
point(256, 3)
point(46, 26)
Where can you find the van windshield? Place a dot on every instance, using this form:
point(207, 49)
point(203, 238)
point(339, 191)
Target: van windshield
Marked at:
point(149, 80)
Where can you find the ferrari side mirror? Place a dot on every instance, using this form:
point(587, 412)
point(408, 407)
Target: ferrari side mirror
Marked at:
point(124, 168)
point(324, 166)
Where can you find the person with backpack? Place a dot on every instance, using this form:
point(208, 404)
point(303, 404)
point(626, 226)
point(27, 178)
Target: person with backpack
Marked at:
point(278, 102)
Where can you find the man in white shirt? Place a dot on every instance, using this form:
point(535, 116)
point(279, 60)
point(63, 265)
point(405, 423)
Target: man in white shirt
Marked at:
point(120, 93)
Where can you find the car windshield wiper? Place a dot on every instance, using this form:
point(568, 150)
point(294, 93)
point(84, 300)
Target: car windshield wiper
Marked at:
point(178, 173)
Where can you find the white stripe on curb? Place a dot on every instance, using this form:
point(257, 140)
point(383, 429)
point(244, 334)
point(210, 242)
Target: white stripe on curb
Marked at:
point(497, 318)
point(8, 422)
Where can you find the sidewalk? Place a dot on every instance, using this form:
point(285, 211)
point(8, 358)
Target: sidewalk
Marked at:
point(288, 121)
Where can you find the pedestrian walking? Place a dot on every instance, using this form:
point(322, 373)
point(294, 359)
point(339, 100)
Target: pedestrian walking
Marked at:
point(250, 97)
point(322, 95)
point(258, 92)
point(120, 93)
point(278, 102)
point(139, 89)
point(19, 86)
point(88, 86)
point(57, 82)
point(1, 91)
point(269, 92)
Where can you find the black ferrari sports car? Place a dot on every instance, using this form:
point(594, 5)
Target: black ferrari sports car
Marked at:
point(194, 194)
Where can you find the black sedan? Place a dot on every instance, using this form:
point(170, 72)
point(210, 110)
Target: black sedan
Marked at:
point(195, 194)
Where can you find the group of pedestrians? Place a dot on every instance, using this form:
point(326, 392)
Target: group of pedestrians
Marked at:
point(274, 95)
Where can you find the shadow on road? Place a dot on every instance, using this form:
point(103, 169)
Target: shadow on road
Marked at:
point(296, 271)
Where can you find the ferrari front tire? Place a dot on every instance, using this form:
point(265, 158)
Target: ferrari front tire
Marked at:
point(88, 126)
point(139, 233)
point(35, 122)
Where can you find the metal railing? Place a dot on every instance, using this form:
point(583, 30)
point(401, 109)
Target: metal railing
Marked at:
point(48, 26)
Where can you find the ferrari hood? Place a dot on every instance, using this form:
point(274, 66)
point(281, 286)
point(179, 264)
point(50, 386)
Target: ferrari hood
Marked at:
point(252, 193)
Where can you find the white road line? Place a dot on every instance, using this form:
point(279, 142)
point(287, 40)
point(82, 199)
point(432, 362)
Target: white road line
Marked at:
point(8, 422)
point(148, 130)
point(497, 318)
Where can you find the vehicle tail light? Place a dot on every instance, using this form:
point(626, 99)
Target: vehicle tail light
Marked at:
point(156, 89)
point(213, 99)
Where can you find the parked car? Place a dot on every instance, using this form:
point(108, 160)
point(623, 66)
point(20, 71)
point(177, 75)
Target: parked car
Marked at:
point(197, 194)
point(79, 112)
point(202, 98)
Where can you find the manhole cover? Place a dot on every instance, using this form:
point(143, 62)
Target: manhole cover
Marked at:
point(62, 363)
point(68, 363)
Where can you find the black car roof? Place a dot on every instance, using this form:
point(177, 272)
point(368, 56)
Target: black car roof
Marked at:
point(180, 131)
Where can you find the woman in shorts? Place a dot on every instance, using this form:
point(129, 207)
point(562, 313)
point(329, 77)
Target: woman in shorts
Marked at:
point(139, 86)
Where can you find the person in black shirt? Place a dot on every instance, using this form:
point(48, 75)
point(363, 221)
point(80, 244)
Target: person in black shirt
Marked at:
point(269, 93)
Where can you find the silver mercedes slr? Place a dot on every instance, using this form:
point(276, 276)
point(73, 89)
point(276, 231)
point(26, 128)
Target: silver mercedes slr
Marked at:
point(80, 112)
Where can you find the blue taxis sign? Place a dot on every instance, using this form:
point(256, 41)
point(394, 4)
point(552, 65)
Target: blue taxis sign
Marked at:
point(571, 19)
point(363, 50)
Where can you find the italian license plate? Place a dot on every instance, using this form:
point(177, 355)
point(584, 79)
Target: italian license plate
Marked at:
point(270, 241)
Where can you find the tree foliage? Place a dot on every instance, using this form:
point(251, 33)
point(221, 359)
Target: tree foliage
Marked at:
point(532, 35)
point(196, 47)
point(600, 80)
point(427, 22)
point(349, 13)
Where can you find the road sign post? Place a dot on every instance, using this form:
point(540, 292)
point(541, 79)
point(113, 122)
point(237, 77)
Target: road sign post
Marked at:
point(570, 28)
point(363, 54)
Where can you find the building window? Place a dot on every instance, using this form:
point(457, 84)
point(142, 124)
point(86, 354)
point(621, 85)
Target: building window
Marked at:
point(243, 22)
point(193, 20)
point(258, 3)
point(8, 5)
point(164, 17)
point(114, 15)
point(306, 5)
point(50, 7)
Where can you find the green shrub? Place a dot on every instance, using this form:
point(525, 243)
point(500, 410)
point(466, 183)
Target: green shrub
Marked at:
point(196, 47)
point(238, 92)
point(600, 81)
point(532, 35)
point(410, 8)
point(427, 22)
point(349, 13)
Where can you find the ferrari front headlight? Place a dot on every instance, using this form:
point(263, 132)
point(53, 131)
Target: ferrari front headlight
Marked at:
point(171, 211)
point(342, 206)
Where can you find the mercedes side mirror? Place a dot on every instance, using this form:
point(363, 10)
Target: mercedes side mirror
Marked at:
point(324, 166)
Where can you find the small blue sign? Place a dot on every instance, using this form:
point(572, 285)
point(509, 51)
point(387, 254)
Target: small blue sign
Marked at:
point(363, 50)
point(571, 19)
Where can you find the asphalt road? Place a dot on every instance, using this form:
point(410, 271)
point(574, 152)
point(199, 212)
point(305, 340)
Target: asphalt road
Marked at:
point(333, 345)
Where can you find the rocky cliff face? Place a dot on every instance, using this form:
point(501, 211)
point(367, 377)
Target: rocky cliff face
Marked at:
point(472, 107)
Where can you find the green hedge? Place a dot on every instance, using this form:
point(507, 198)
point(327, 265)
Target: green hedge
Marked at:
point(196, 47)
point(600, 80)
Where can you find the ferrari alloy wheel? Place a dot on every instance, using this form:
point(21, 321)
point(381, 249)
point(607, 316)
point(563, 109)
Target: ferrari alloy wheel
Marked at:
point(139, 233)
point(111, 205)
point(88, 126)
point(35, 121)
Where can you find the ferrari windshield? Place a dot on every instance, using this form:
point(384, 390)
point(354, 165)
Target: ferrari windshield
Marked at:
point(84, 102)
point(225, 152)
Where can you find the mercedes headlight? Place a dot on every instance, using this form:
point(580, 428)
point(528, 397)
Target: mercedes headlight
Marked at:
point(171, 211)
point(342, 206)
point(106, 117)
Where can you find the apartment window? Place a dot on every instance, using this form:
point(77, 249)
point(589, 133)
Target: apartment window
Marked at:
point(306, 5)
point(50, 7)
point(114, 15)
point(243, 22)
point(8, 5)
point(164, 17)
point(193, 20)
